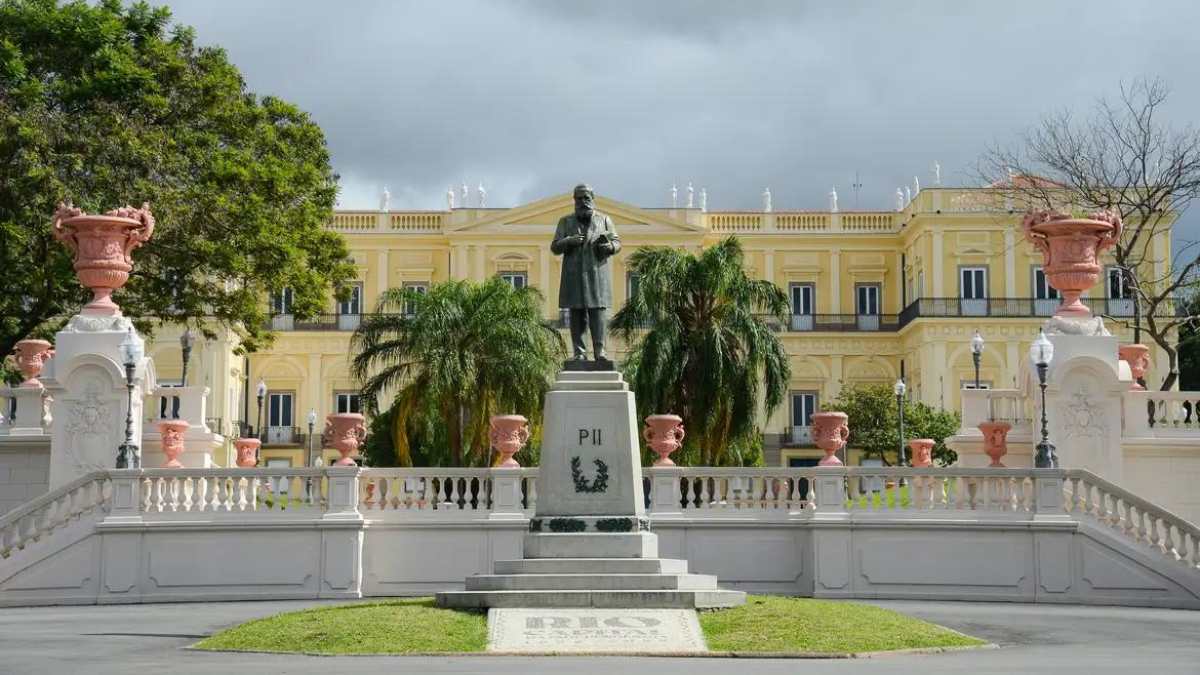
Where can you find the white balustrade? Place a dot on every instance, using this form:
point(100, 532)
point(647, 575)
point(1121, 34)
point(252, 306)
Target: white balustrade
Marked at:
point(86, 496)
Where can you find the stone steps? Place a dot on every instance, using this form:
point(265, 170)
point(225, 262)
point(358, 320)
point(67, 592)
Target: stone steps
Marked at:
point(592, 566)
point(592, 582)
point(677, 599)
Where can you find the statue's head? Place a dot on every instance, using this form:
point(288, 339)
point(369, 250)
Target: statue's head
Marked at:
point(585, 201)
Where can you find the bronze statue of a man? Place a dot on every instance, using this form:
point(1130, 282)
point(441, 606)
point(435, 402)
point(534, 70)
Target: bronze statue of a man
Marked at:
point(586, 240)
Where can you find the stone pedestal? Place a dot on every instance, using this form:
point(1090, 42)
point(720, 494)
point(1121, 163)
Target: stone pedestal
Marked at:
point(589, 542)
point(86, 379)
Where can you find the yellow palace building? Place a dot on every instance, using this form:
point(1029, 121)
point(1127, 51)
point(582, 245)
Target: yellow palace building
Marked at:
point(875, 296)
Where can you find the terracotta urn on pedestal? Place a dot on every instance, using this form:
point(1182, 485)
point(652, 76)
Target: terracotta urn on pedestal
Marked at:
point(509, 434)
point(830, 431)
point(664, 434)
point(1070, 250)
point(103, 245)
point(995, 441)
point(922, 452)
point(30, 356)
point(247, 452)
point(171, 432)
point(344, 432)
point(1138, 358)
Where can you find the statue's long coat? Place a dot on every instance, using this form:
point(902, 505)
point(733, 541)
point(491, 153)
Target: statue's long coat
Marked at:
point(586, 273)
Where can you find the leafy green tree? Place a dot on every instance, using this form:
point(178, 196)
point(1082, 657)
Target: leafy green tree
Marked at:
point(452, 358)
point(707, 353)
point(874, 426)
point(103, 104)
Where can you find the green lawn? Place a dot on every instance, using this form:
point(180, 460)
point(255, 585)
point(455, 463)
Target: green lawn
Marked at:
point(763, 624)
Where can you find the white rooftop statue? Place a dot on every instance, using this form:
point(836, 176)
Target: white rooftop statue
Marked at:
point(450, 198)
point(385, 200)
point(691, 194)
point(899, 199)
point(703, 199)
point(482, 196)
point(833, 207)
point(674, 196)
point(937, 174)
point(766, 197)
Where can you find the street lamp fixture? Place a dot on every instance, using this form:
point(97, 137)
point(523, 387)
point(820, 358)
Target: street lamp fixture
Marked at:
point(129, 456)
point(1041, 352)
point(186, 341)
point(899, 389)
point(312, 421)
point(977, 354)
point(261, 391)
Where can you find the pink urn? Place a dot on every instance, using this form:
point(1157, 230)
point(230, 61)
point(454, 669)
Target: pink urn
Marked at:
point(509, 433)
point(1138, 358)
point(830, 431)
point(344, 432)
point(995, 441)
point(31, 356)
point(171, 432)
point(1070, 250)
point(103, 246)
point(922, 452)
point(665, 435)
point(247, 452)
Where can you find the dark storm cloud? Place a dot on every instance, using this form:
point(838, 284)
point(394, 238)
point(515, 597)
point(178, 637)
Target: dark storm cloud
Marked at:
point(532, 97)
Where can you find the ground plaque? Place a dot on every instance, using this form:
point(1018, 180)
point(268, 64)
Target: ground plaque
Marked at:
point(591, 631)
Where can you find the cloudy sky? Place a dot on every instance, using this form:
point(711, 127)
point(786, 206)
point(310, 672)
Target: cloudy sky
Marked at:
point(632, 96)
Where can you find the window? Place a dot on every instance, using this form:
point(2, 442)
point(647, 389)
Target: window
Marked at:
point(1118, 292)
point(804, 404)
point(280, 409)
point(1045, 296)
point(633, 281)
point(866, 306)
point(410, 308)
point(972, 290)
point(517, 280)
point(803, 304)
point(347, 402)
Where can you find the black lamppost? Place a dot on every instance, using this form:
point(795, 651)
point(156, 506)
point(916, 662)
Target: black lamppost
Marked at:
point(1040, 354)
point(185, 343)
point(261, 390)
point(129, 456)
point(312, 421)
point(977, 354)
point(899, 389)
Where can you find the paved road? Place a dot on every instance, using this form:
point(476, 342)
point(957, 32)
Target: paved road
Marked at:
point(1033, 639)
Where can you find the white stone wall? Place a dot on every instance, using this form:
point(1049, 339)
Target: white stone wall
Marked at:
point(24, 475)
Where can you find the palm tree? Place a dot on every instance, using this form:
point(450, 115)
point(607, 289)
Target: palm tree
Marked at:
point(457, 354)
point(706, 352)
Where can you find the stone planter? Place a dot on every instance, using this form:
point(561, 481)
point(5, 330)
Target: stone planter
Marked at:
point(247, 452)
point(664, 434)
point(344, 432)
point(1070, 250)
point(1138, 358)
point(102, 245)
point(509, 434)
point(995, 441)
point(31, 356)
point(171, 432)
point(830, 432)
point(922, 452)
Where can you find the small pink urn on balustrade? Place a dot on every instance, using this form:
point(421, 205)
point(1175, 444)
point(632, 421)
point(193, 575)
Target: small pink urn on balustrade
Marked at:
point(247, 452)
point(30, 357)
point(171, 432)
point(665, 435)
point(995, 441)
point(1138, 358)
point(103, 246)
point(1070, 250)
point(344, 432)
point(509, 433)
point(830, 431)
point(922, 452)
